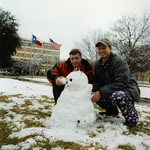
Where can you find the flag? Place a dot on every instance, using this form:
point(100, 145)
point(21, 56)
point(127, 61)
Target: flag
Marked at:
point(36, 41)
point(54, 44)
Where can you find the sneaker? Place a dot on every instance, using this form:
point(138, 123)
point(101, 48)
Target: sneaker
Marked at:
point(130, 124)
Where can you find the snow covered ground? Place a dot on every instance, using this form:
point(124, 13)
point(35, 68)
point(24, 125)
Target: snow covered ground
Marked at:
point(25, 109)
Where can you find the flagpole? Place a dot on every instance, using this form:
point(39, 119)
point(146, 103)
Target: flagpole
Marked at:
point(30, 57)
point(50, 51)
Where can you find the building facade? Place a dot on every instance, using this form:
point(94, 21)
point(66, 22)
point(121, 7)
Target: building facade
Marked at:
point(48, 55)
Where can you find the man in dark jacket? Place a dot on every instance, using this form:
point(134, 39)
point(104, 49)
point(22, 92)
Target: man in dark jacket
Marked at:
point(62, 69)
point(114, 86)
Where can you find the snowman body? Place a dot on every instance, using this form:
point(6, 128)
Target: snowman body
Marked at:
point(74, 106)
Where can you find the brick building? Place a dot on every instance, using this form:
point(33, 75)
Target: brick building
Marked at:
point(31, 51)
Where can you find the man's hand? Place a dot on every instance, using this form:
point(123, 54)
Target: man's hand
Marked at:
point(58, 81)
point(96, 96)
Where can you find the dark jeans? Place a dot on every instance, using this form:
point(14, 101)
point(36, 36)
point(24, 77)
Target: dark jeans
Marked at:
point(57, 91)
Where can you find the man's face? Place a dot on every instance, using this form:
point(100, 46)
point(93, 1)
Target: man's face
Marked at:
point(75, 60)
point(104, 52)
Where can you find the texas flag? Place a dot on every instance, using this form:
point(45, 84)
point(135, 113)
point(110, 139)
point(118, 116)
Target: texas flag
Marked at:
point(36, 41)
point(54, 44)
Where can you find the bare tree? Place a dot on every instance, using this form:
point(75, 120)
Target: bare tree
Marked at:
point(128, 36)
point(87, 45)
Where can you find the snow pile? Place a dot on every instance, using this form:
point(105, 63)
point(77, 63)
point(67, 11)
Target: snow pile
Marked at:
point(74, 107)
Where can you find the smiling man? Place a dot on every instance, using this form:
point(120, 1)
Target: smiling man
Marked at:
point(62, 69)
point(114, 86)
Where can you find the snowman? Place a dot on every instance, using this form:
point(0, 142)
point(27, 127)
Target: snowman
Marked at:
point(74, 106)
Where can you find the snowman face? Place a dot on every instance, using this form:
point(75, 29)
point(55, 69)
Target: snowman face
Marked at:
point(76, 80)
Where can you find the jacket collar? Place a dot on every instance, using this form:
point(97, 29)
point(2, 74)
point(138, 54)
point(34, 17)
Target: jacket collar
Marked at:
point(83, 61)
point(107, 63)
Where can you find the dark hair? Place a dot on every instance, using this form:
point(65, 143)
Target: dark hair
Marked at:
point(75, 51)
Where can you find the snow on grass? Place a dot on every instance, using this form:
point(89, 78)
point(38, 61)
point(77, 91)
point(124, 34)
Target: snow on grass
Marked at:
point(25, 111)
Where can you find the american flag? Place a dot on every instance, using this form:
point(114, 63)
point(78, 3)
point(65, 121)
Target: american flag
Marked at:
point(54, 44)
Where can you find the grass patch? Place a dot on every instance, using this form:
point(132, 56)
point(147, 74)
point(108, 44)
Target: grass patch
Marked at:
point(67, 145)
point(98, 107)
point(5, 99)
point(16, 140)
point(126, 147)
point(5, 131)
point(28, 102)
point(141, 127)
point(45, 96)
point(146, 112)
point(37, 113)
point(100, 129)
point(47, 106)
point(45, 101)
point(16, 95)
point(16, 109)
point(3, 112)
point(32, 96)
point(148, 117)
point(31, 123)
point(11, 116)
point(75, 146)
point(91, 134)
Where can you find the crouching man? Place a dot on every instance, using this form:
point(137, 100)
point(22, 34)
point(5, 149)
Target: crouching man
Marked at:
point(114, 86)
point(62, 69)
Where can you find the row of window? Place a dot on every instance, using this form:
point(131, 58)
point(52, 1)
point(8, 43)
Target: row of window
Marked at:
point(54, 58)
point(34, 55)
point(38, 51)
point(29, 44)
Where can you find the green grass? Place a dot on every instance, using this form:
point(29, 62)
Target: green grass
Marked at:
point(141, 127)
point(126, 147)
point(32, 123)
point(91, 134)
point(5, 131)
point(3, 112)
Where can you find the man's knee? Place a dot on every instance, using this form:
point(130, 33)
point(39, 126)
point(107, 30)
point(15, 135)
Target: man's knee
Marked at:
point(119, 97)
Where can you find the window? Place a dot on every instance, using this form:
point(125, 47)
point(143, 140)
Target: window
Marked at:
point(29, 44)
point(34, 50)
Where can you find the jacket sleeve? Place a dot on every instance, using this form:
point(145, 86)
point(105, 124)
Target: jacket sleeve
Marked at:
point(53, 74)
point(96, 79)
point(121, 79)
point(90, 75)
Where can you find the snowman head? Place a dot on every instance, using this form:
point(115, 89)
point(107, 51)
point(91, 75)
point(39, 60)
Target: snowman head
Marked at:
point(76, 80)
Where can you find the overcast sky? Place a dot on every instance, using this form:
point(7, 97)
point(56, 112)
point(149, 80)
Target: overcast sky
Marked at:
point(66, 20)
